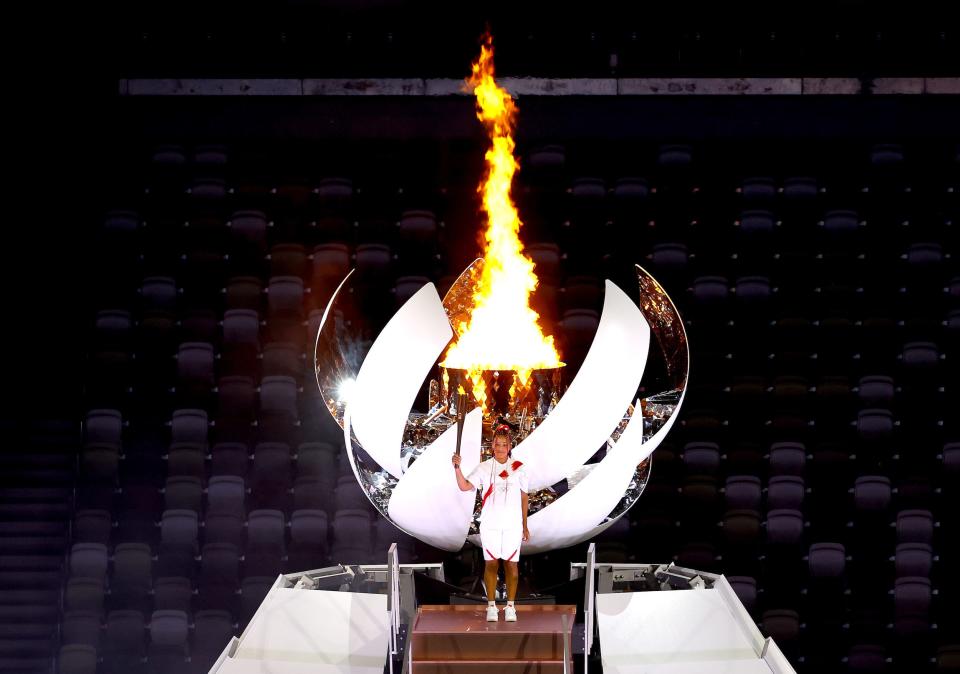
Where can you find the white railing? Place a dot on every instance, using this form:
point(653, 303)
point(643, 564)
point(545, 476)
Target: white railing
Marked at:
point(740, 615)
point(775, 659)
point(393, 597)
point(588, 605)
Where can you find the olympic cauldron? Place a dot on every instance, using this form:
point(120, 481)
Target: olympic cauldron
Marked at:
point(585, 444)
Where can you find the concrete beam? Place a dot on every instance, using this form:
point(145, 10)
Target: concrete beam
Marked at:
point(212, 87)
point(833, 86)
point(364, 87)
point(531, 86)
point(897, 85)
point(539, 86)
point(942, 85)
point(709, 86)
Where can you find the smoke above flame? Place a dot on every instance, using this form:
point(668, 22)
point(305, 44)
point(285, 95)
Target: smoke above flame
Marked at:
point(502, 332)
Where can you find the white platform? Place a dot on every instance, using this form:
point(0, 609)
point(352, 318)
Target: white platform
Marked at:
point(682, 632)
point(316, 631)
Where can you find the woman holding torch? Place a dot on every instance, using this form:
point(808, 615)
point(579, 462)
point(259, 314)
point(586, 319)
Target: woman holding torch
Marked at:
point(503, 517)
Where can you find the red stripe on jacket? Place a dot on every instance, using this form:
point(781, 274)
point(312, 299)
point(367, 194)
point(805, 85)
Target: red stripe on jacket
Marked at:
point(484, 501)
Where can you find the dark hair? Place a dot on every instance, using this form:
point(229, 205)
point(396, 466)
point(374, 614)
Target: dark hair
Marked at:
point(503, 431)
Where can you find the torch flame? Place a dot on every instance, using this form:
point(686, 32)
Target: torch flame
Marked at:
point(502, 332)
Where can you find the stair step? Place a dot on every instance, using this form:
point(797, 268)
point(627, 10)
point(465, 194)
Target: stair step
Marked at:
point(26, 647)
point(558, 661)
point(13, 470)
point(40, 613)
point(27, 630)
point(34, 511)
point(26, 665)
point(33, 528)
point(32, 596)
point(13, 476)
point(14, 579)
point(478, 666)
point(492, 646)
point(30, 562)
point(35, 494)
point(461, 633)
point(34, 544)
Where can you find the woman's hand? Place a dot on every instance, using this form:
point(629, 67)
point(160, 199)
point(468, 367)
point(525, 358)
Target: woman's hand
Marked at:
point(456, 460)
point(526, 534)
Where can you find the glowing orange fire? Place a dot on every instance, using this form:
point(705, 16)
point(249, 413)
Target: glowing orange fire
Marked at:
point(502, 333)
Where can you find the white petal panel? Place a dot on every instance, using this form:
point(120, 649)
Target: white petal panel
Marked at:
point(593, 404)
point(574, 517)
point(427, 503)
point(392, 373)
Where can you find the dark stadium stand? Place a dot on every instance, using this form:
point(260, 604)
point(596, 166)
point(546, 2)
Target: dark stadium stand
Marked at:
point(165, 452)
point(815, 462)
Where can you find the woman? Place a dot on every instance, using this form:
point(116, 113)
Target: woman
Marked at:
point(503, 517)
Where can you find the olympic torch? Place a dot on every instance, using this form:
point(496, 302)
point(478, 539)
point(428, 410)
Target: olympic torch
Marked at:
point(461, 413)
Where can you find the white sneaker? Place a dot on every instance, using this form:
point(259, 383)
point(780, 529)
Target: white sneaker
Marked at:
point(493, 614)
point(510, 614)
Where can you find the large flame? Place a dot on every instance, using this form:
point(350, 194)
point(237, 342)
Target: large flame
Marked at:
point(502, 332)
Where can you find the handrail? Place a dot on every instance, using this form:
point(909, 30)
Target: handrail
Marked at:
point(588, 605)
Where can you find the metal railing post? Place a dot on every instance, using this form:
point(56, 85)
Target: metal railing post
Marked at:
point(588, 608)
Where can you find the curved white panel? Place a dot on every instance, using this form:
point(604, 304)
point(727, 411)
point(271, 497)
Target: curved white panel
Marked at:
point(392, 372)
point(593, 404)
point(573, 517)
point(348, 444)
point(330, 303)
point(427, 503)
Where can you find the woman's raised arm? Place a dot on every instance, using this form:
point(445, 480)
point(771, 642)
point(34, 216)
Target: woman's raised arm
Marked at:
point(462, 482)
